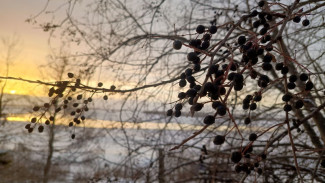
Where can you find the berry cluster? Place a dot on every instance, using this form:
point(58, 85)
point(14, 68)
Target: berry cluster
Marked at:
point(259, 58)
point(64, 97)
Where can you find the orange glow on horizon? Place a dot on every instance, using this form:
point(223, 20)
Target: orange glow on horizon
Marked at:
point(92, 123)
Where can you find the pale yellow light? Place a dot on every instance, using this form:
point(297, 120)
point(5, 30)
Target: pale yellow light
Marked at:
point(12, 91)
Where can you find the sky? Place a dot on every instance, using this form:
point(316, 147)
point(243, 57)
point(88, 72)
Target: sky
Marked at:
point(33, 47)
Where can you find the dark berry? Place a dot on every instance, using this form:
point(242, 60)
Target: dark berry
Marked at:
point(267, 66)
point(253, 106)
point(260, 51)
point(238, 168)
point(267, 38)
point(262, 84)
point(248, 45)
point(79, 97)
point(178, 114)
point(249, 97)
point(200, 29)
point(183, 76)
point(263, 156)
point(299, 104)
point(287, 107)
point(40, 129)
point(222, 90)
point(279, 66)
point(261, 3)
point(73, 136)
point(30, 130)
point(190, 100)
point(105, 97)
point(221, 110)
point(254, 60)
point(216, 104)
point(251, 53)
point(191, 80)
point(254, 13)
point(291, 86)
point(303, 77)
point(90, 99)
point(70, 75)
point(70, 124)
point(191, 92)
point(258, 98)
point(286, 97)
point(236, 157)
point(245, 106)
point(247, 121)
point(47, 122)
point(33, 120)
point(197, 87)
point(195, 43)
point(36, 108)
point(238, 78)
point(269, 48)
point(209, 87)
point(197, 67)
point(269, 17)
point(177, 44)
point(252, 137)
point(209, 120)
point(233, 67)
point(296, 19)
point(198, 106)
point(181, 95)
point(284, 70)
point(256, 24)
point(47, 105)
point(238, 86)
point(241, 40)
point(265, 78)
point(231, 76)
point(305, 22)
point(263, 31)
point(169, 112)
point(293, 78)
point(213, 29)
point(246, 101)
point(27, 126)
point(58, 109)
point(219, 139)
point(309, 86)
point(192, 56)
point(182, 82)
point(178, 107)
